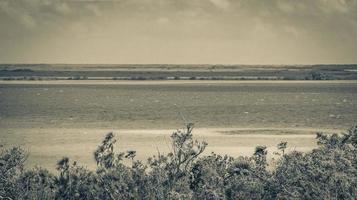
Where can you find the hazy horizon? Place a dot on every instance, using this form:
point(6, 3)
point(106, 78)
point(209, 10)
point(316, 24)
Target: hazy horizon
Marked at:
point(233, 64)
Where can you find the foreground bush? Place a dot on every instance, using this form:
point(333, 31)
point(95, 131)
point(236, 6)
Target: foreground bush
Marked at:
point(327, 172)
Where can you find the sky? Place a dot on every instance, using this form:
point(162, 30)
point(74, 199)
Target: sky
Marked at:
point(178, 31)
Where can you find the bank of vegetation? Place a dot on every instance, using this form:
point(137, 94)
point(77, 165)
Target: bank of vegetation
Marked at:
point(178, 72)
point(327, 172)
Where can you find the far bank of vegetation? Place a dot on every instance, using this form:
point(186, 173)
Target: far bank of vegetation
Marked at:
point(327, 172)
point(178, 72)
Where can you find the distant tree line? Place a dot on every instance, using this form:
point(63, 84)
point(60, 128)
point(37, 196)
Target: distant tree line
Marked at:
point(327, 172)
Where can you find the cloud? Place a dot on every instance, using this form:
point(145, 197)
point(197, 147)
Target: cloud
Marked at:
point(313, 31)
point(163, 20)
point(223, 4)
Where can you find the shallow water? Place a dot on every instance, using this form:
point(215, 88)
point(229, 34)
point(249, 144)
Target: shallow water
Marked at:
point(55, 120)
point(165, 106)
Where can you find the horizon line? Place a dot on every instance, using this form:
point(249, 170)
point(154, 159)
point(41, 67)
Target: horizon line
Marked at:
point(211, 64)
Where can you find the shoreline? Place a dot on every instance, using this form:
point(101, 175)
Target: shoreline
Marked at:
point(199, 131)
point(168, 82)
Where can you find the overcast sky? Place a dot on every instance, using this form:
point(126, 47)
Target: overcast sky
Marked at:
point(178, 31)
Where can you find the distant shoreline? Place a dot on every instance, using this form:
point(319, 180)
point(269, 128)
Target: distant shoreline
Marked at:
point(163, 82)
point(178, 72)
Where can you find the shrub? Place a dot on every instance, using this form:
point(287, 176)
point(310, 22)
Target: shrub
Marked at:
point(327, 172)
point(37, 183)
point(11, 166)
